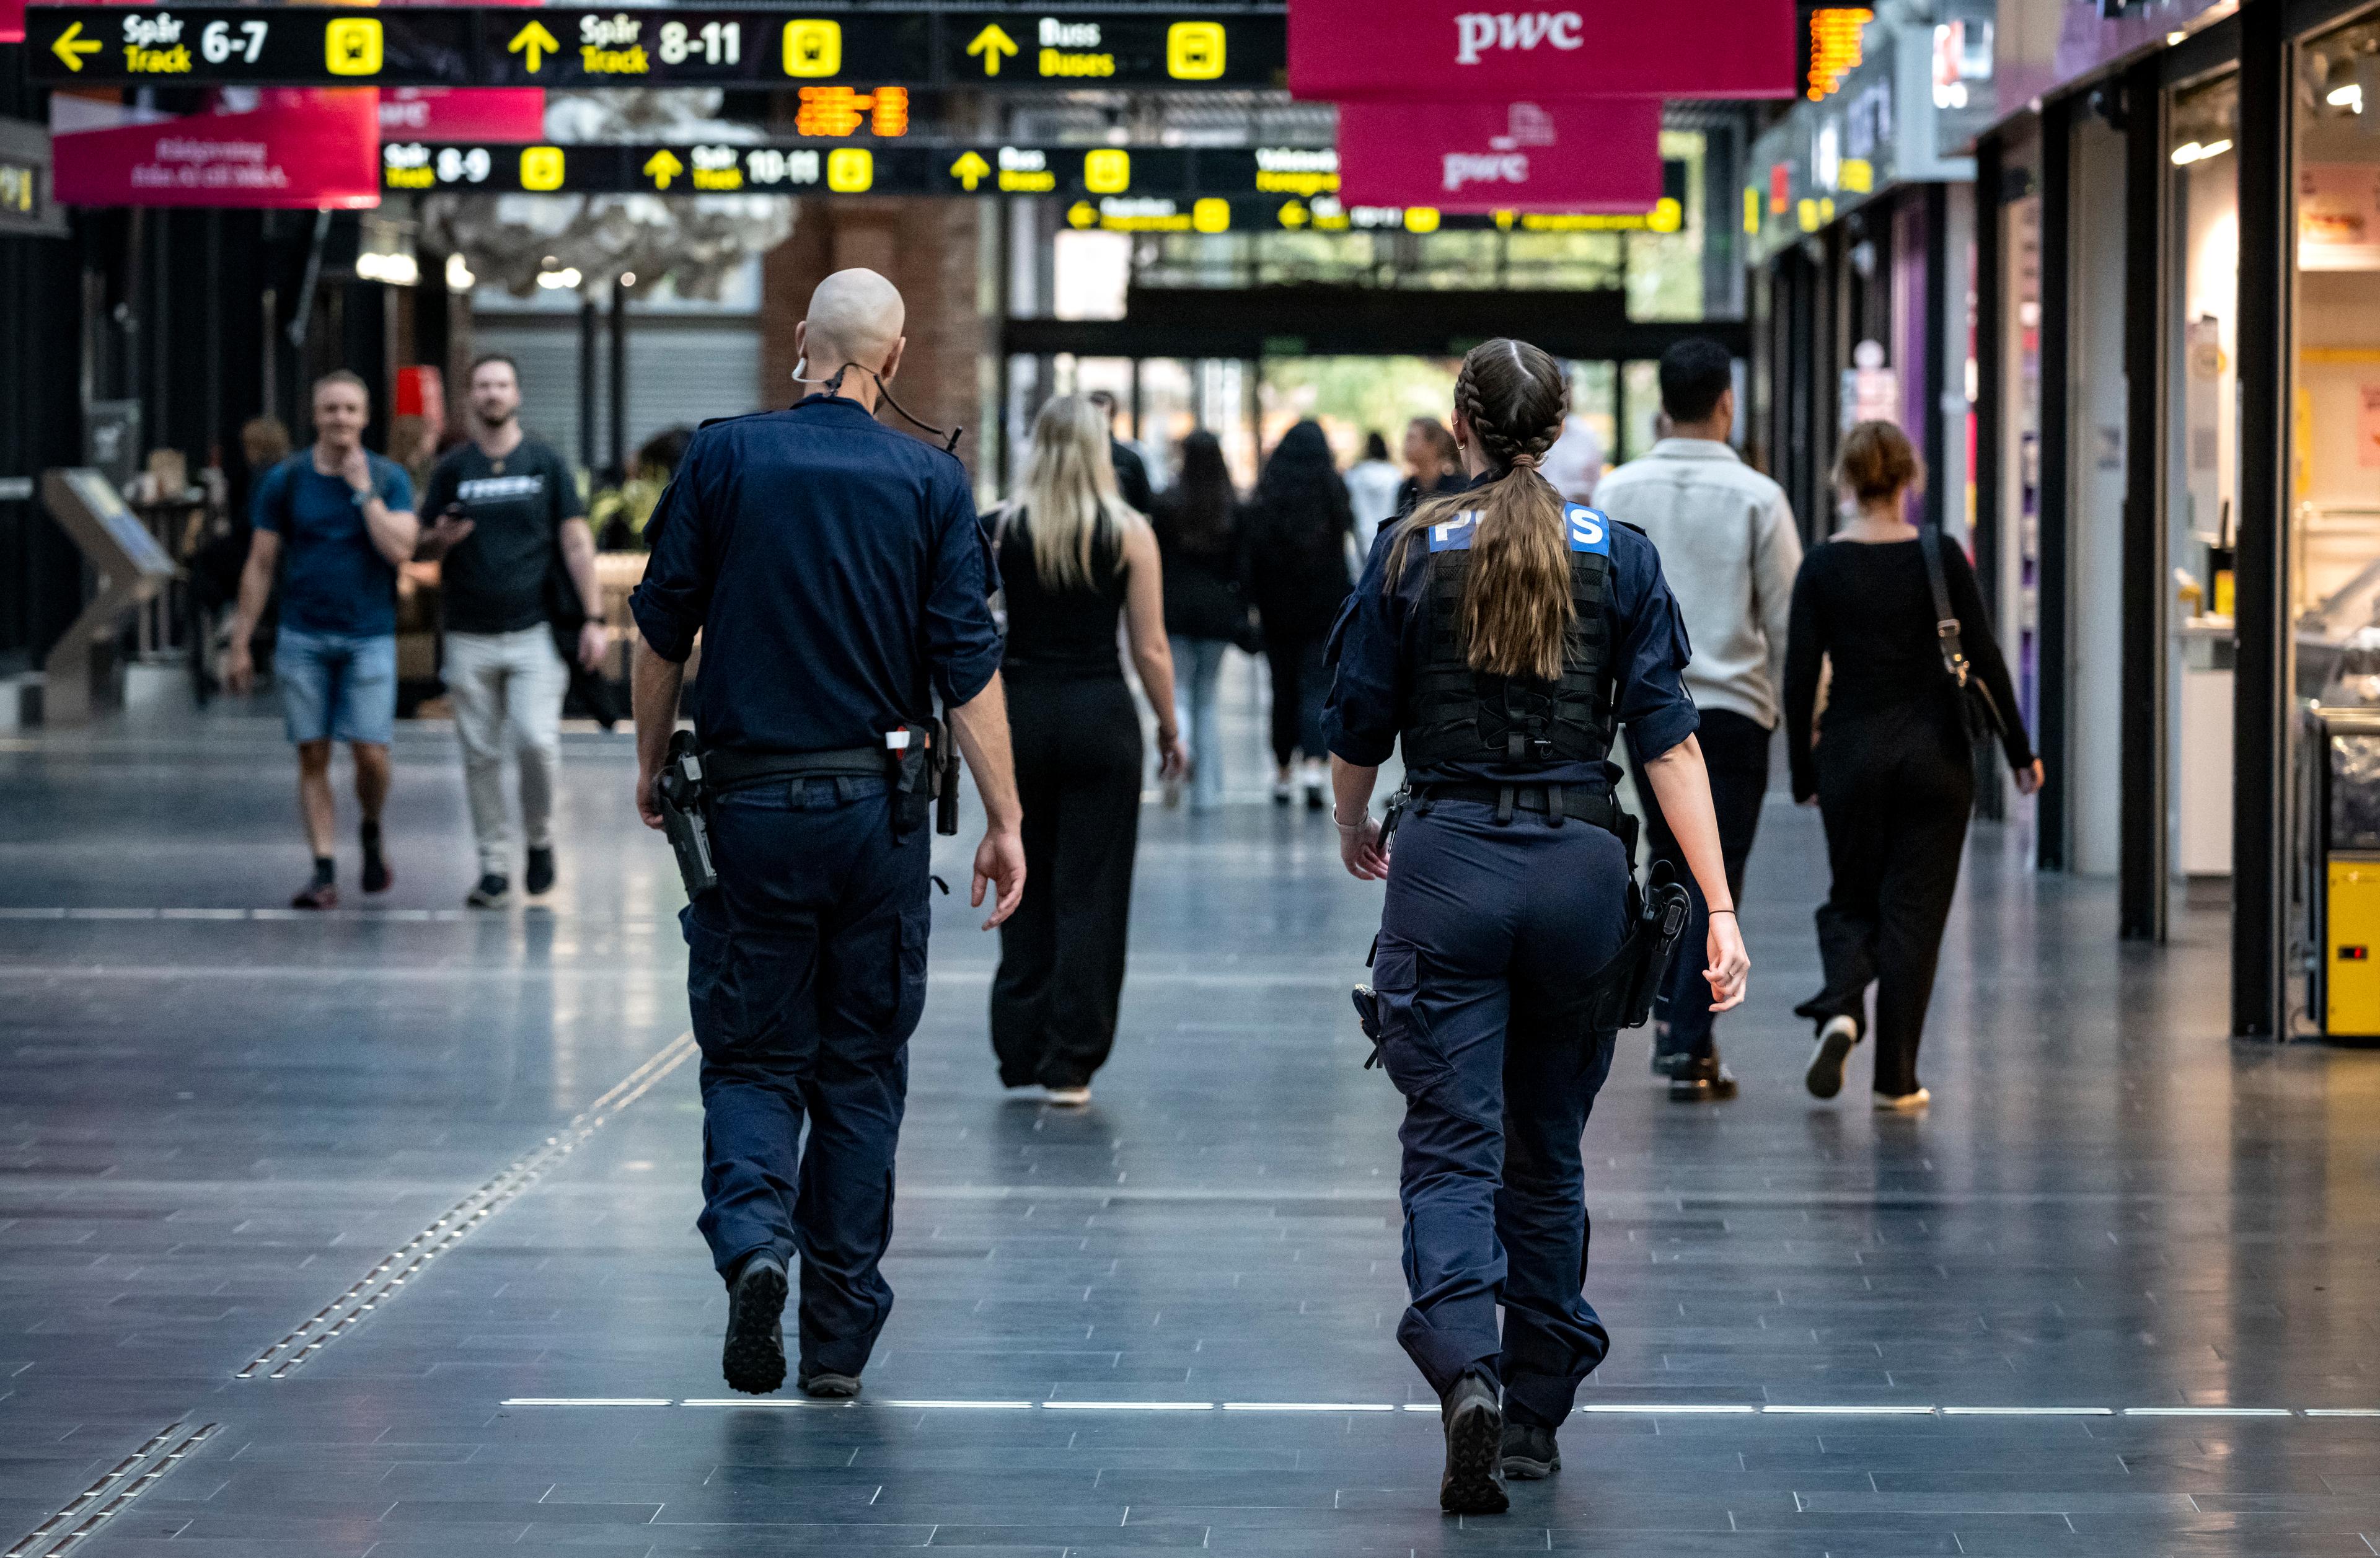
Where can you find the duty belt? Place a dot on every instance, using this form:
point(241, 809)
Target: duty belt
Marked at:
point(729, 770)
point(1587, 803)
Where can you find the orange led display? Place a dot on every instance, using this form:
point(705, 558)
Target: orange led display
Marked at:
point(838, 111)
point(1834, 46)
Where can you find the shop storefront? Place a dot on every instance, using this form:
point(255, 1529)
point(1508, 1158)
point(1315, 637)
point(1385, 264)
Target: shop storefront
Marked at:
point(2181, 418)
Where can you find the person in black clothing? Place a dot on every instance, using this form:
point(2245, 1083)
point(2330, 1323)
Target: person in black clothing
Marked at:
point(1072, 559)
point(1131, 473)
point(1197, 525)
point(1297, 531)
point(1437, 466)
point(1892, 775)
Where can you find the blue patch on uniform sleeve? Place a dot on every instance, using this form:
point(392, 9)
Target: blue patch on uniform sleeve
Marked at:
point(1590, 531)
point(1455, 534)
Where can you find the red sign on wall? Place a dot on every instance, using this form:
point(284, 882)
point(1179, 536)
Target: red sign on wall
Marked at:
point(462, 114)
point(1579, 154)
point(295, 149)
point(1470, 50)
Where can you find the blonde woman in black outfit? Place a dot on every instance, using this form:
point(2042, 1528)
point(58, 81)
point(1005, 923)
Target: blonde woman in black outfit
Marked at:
point(1074, 559)
point(1892, 775)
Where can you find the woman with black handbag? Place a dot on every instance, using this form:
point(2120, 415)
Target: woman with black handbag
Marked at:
point(1917, 678)
point(1197, 525)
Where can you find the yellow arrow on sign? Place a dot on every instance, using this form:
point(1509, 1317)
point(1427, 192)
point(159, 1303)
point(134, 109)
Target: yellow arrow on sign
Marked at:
point(72, 45)
point(536, 42)
point(991, 42)
point(1082, 214)
point(1294, 215)
point(968, 169)
point(663, 166)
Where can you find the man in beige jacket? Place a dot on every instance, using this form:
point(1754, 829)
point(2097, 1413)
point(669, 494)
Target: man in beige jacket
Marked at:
point(1729, 551)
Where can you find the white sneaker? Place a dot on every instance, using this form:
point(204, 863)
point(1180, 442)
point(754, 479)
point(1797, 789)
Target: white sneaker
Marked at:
point(1067, 1097)
point(1907, 1104)
point(1836, 1042)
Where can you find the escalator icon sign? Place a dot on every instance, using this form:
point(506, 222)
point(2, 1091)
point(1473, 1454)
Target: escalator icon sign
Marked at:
point(351, 47)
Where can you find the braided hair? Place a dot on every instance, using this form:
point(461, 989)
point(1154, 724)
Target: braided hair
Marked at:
point(1516, 600)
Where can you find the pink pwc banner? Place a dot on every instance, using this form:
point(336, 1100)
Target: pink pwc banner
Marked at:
point(1475, 49)
point(297, 149)
point(462, 114)
point(1574, 155)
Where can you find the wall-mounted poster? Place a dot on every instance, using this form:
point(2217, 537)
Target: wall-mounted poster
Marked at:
point(2338, 216)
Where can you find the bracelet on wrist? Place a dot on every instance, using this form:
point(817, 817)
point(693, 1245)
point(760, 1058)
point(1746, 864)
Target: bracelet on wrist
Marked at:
point(1728, 910)
point(1346, 827)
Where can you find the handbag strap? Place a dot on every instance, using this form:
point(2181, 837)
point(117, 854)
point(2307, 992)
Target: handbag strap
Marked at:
point(1946, 623)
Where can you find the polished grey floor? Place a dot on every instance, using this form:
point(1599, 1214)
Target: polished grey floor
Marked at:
point(230, 1139)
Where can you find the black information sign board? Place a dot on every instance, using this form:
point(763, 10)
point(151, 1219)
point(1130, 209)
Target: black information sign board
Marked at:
point(1115, 189)
point(641, 45)
point(26, 205)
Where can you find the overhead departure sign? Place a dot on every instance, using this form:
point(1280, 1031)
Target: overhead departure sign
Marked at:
point(1468, 51)
point(865, 52)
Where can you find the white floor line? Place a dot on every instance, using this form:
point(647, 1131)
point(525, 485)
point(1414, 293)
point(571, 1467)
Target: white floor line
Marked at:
point(1661, 1409)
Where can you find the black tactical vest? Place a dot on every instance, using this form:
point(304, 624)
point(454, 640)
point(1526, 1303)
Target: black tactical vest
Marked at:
point(1461, 716)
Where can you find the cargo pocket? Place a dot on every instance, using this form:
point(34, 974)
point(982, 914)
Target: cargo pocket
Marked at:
point(909, 972)
point(739, 988)
point(1408, 1052)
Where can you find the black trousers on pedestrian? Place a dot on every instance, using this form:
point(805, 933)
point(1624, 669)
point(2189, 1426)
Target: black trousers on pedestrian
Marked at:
point(1061, 953)
point(1895, 789)
point(1735, 750)
point(1300, 683)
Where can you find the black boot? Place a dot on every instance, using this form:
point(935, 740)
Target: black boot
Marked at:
point(1702, 1081)
point(1474, 1481)
point(754, 1356)
point(1530, 1452)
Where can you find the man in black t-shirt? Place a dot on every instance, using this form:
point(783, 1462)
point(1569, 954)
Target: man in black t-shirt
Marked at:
point(506, 517)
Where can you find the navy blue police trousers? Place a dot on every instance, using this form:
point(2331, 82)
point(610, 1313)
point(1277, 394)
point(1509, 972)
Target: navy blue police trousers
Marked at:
point(1486, 936)
point(806, 974)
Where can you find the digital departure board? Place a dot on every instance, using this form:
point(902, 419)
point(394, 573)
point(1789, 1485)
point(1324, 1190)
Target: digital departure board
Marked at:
point(636, 46)
point(1114, 188)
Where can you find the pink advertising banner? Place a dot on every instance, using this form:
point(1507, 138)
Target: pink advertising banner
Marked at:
point(1457, 50)
point(300, 149)
point(462, 114)
point(1574, 155)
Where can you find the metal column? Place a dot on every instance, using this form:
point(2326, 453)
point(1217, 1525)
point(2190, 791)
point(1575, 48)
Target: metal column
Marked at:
point(2057, 479)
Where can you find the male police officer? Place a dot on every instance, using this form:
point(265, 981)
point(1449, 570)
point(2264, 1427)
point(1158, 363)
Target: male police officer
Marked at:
point(839, 578)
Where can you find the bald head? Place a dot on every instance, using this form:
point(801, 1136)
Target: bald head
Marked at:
point(855, 316)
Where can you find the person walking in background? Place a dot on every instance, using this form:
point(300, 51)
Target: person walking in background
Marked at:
point(1729, 547)
point(1198, 527)
point(345, 517)
point(1071, 559)
point(504, 518)
point(1894, 776)
point(1298, 525)
point(1434, 464)
point(1130, 471)
point(1372, 485)
point(1574, 465)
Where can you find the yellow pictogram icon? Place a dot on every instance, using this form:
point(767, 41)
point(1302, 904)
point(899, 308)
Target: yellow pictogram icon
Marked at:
point(540, 167)
point(1294, 214)
point(1082, 214)
point(813, 48)
point(970, 170)
point(1421, 219)
point(533, 43)
point(1107, 171)
point(1210, 215)
point(991, 42)
point(351, 47)
point(1194, 51)
point(72, 45)
point(850, 170)
point(663, 166)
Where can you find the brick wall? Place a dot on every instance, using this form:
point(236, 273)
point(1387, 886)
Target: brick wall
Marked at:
point(926, 248)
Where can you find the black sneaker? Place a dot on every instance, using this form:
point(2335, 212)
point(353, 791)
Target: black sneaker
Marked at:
point(494, 892)
point(1530, 1452)
point(315, 895)
point(754, 1356)
point(1474, 1481)
point(377, 876)
point(540, 872)
point(1837, 1037)
point(1701, 1081)
point(826, 1386)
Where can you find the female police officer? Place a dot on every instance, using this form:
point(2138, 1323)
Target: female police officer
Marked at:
point(1499, 634)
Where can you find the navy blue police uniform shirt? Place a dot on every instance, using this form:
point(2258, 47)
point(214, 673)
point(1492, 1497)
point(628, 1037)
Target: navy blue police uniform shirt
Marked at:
point(835, 569)
point(1381, 642)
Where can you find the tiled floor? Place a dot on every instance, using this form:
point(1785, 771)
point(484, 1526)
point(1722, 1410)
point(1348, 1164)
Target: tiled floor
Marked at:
point(214, 1126)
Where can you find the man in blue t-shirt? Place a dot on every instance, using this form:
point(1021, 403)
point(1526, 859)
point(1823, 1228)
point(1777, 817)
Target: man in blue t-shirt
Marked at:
point(345, 518)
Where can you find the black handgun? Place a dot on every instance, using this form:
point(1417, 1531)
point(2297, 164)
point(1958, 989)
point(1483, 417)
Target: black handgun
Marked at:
point(679, 790)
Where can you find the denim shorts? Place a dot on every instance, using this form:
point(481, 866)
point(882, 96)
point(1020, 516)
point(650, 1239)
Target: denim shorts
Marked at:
point(338, 687)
